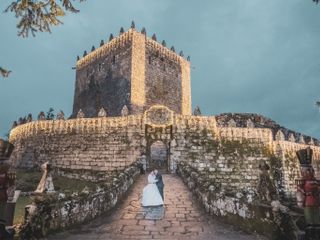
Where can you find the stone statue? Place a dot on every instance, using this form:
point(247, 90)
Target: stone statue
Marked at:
point(265, 189)
point(41, 116)
point(102, 112)
point(125, 111)
point(197, 111)
point(60, 115)
point(80, 114)
point(46, 183)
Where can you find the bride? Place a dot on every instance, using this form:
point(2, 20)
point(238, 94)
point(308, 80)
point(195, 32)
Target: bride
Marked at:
point(151, 195)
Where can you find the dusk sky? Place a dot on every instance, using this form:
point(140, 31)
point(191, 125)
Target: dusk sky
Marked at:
point(253, 56)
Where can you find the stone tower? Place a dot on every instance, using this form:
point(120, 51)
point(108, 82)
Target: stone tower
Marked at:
point(131, 70)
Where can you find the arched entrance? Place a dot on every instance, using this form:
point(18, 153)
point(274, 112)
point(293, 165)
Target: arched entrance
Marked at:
point(158, 122)
point(157, 156)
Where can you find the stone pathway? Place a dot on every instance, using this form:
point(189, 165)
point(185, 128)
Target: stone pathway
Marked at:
point(182, 218)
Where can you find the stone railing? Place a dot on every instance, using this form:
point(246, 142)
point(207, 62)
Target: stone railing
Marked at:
point(242, 208)
point(79, 125)
point(52, 213)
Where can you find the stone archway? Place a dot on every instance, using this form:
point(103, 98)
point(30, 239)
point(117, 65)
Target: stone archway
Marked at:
point(158, 122)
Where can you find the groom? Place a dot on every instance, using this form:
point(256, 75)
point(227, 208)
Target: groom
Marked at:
point(159, 182)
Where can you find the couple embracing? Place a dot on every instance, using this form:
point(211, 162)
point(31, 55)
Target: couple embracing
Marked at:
point(153, 193)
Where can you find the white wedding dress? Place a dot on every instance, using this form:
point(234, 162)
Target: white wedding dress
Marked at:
point(151, 195)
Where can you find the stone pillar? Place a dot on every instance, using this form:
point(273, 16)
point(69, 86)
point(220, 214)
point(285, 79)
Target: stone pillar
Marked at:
point(138, 97)
point(186, 88)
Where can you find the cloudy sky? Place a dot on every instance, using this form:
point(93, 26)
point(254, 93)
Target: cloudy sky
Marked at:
point(258, 56)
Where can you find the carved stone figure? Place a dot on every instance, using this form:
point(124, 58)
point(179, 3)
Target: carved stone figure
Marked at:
point(159, 115)
point(197, 111)
point(46, 183)
point(80, 114)
point(60, 115)
point(41, 116)
point(125, 111)
point(102, 112)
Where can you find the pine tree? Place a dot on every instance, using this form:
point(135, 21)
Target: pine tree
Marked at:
point(50, 114)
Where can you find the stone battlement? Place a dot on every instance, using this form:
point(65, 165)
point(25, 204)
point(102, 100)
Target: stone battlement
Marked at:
point(164, 51)
point(250, 120)
point(72, 126)
point(105, 49)
point(124, 39)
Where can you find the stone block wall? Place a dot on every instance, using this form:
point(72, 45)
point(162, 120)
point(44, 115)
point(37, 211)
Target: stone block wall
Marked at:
point(242, 207)
point(163, 78)
point(100, 144)
point(230, 155)
point(103, 79)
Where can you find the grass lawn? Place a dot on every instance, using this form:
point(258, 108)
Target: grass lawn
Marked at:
point(19, 210)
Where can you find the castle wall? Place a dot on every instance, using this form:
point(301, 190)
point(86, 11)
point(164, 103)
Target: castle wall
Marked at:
point(100, 144)
point(186, 87)
point(229, 155)
point(230, 162)
point(163, 78)
point(104, 80)
point(138, 95)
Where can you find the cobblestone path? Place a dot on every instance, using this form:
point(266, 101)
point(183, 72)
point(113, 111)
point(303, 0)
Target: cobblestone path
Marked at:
point(183, 219)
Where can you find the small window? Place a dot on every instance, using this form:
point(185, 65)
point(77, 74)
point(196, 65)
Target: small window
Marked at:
point(149, 60)
point(113, 59)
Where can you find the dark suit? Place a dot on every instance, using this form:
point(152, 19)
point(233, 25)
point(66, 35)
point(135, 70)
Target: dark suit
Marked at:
point(160, 184)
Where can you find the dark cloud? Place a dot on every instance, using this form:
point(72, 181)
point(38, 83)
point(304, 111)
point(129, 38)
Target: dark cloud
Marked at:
point(247, 56)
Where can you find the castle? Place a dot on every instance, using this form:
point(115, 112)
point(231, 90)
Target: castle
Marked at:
point(135, 71)
point(142, 90)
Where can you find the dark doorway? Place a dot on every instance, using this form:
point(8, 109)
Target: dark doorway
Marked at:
point(157, 156)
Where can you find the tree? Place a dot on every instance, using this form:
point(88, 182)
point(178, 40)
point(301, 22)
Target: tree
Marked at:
point(50, 114)
point(34, 15)
point(318, 104)
point(4, 73)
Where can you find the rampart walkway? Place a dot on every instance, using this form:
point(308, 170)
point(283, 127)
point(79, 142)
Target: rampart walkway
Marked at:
point(183, 219)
